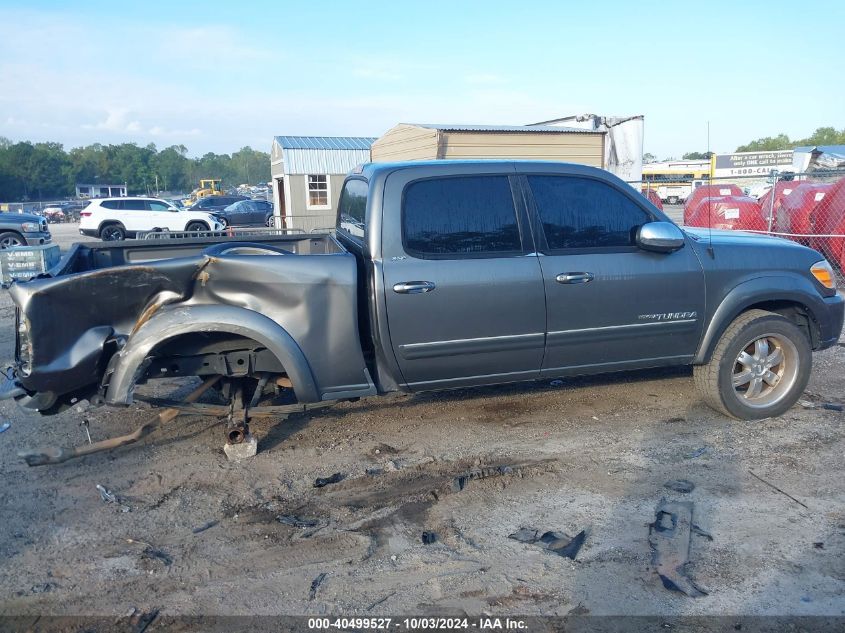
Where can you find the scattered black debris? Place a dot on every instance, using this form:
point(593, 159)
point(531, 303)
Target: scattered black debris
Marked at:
point(680, 485)
point(774, 487)
point(315, 584)
point(429, 537)
point(374, 471)
point(557, 542)
point(669, 537)
point(695, 529)
point(580, 609)
point(460, 482)
point(44, 587)
point(674, 420)
point(297, 522)
point(325, 481)
point(556, 383)
point(204, 527)
point(156, 554)
point(109, 497)
point(697, 452)
point(140, 621)
point(818, 545)
point(380, 600)
point(832, 407)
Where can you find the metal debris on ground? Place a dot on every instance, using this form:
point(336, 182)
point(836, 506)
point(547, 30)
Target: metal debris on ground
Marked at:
point(680, 485)
point(315, 584)
point(157, 554)
point(204, 527)
point(832, 407)
point(139, 621)
point(460, 482)
point(556, 542)
point(298, 522)
point(5, 426)
point(85, 424)
point(109, 497)
point(697, 452)
point(670, 540)
point(774, 487)
point(429, 537)
point(325, 481)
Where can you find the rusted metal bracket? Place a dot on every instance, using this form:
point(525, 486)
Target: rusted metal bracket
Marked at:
point(57, 455)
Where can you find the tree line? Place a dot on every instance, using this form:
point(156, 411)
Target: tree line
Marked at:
point(822, 136)
point(46, 171)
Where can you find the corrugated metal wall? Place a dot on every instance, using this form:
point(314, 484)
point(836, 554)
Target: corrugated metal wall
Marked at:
point(405, 142)
point(323, 161)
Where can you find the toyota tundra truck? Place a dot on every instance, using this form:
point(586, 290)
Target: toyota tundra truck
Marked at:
point(439, 275)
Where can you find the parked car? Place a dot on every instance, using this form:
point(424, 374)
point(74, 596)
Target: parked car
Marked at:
point(442, 275)
point(214, 203)
point(247, 213)
point(734, 213)
point(23, 229)
point(53, 214)
point(118, 218)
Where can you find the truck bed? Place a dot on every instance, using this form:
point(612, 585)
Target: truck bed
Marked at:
point(186, 299)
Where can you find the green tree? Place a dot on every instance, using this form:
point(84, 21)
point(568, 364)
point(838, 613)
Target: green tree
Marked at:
point(696, 156)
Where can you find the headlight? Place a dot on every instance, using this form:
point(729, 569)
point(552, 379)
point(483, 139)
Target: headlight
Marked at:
point(30, 227)
point(823, 272)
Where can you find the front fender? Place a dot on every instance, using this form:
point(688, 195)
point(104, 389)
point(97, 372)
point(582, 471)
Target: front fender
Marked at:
point(790, 288)
point(129, 363)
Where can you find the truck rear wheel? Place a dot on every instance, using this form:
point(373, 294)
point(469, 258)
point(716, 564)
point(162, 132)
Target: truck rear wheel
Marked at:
point(759, 368)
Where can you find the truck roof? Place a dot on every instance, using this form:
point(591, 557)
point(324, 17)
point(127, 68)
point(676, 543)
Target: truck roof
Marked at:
point(369, 170)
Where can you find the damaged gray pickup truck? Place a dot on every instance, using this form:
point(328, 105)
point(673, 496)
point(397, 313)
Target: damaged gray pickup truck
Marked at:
point(439, 275)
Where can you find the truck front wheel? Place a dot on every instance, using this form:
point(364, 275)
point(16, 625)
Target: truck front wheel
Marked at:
point(759, 368)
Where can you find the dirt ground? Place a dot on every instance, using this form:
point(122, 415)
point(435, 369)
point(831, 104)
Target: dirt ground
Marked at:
point(203, 536)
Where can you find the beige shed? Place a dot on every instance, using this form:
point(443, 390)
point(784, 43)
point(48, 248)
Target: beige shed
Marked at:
point(417, 141)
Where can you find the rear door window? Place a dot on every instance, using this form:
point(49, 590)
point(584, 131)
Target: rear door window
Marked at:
point(111, 204)
point(134, 205)
point(158, 206)
point(584, 213)
point(352, 207)
point(464, 216)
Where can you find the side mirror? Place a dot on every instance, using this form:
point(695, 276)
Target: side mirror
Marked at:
point(660, 237)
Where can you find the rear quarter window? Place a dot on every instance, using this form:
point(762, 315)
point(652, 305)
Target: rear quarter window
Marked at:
point(352, 208)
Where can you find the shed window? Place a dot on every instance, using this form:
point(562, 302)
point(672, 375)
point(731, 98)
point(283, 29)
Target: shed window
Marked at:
point(318, 191)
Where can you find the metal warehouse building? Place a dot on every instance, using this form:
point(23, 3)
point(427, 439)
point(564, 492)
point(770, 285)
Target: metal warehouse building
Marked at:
point(415, 141)
point(307, 173)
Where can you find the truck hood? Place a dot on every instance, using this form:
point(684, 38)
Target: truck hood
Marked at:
point(20, 217)
point(722, 237)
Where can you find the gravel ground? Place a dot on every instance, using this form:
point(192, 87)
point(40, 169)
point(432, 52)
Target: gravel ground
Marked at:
point(202, 535)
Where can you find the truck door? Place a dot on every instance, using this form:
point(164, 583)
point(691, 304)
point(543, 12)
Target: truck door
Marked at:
point(464, 294)
point(610, 305)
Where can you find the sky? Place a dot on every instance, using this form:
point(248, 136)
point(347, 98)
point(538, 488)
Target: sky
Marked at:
point(216, 76)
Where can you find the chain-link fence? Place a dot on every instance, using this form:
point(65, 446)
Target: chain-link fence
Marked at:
point(808, 208)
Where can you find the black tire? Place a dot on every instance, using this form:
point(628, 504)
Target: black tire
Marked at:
point(759, 368)
point(270, 221)
point(196, 226)
point(10, 239)
point(112, 233)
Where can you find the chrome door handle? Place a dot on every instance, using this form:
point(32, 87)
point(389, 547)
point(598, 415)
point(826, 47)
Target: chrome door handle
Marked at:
point(574, 278)
point(413, 287)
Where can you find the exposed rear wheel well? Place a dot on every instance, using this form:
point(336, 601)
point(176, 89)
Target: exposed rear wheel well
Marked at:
point(211, 353)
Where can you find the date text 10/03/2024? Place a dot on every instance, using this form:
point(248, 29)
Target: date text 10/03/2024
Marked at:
point(415, 624)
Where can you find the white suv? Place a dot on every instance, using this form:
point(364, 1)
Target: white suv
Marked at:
point(118, 218)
